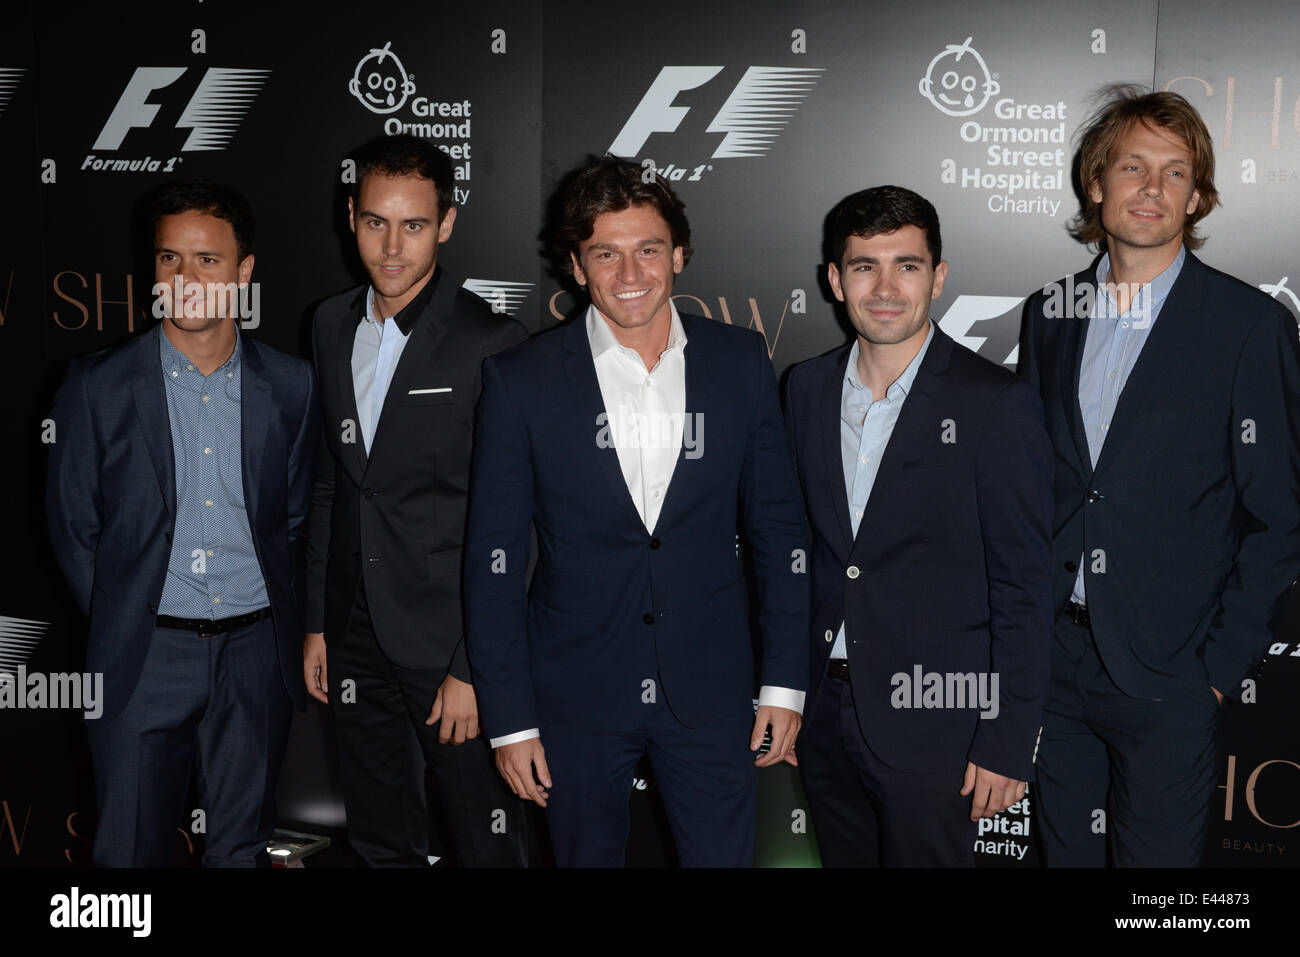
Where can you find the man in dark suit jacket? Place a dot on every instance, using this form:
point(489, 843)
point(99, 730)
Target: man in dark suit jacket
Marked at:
point(399, 366)
point(927, 476)
point(631, 439)
point(1171, 398)
point(178, 481)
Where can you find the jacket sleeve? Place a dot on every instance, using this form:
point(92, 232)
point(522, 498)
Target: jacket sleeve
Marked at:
point(320, 510)
point(73, 503)
point(1265, 451)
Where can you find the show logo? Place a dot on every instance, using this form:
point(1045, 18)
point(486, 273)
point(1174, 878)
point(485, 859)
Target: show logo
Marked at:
point(9, 79)
point(1023, 156)
point(751, 119)
point(381, 84)
point(951, 84)
point(214, 112)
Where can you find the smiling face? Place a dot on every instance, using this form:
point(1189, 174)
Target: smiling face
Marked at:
point(627, 265)
point(1146, 193)
point(201, 251)
point(886, 283)
point(396, 222)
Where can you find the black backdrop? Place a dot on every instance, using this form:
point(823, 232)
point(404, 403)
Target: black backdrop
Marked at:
point(762, 114)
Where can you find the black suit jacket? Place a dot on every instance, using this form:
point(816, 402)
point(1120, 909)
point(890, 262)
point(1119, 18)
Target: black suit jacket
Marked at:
point(397, 517)
point(1195, 500)
point(950, 569)
point(111, 496)
point(571, 653)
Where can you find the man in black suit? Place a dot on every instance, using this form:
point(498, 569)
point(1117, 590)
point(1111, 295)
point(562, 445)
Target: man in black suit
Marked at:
point(637, 441)
point(1171, 394)
point(178, 481)
point(399, 365)
point(927, 477)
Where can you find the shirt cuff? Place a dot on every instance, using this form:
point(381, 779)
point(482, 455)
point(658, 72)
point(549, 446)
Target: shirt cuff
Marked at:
point(770, 696)
point(514, 738)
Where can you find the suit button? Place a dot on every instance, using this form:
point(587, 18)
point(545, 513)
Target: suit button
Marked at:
point(367, 493)
point(648, 618)
point(853, 571)
point(1071, 567)
point(152, 609)
point(356, 556)
point(830, 636)
point(1095, 496)
point(654, 543)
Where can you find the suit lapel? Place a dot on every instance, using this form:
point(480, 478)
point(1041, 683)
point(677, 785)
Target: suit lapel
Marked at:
point(1074, 337)
point(1159, 354)
point(419, 353)
point(148, 393)
point(255, 415)
point(827, 416)
point(698, 402)
point(580, 370)
point(353, 454)
point(918, 420)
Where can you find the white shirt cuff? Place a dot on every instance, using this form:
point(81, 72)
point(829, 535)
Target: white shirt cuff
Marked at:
point(770, 696)
point(514, 738)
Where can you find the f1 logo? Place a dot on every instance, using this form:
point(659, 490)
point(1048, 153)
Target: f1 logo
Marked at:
point(752, 117)
point(213, 114)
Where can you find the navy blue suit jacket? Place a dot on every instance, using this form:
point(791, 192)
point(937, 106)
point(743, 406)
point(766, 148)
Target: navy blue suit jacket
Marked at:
point(569, 654)
point(1195, 509)
point(952, 555)
point(111, 496)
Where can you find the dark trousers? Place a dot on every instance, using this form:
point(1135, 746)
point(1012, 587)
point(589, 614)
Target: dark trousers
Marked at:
point(220, 700)
point(384, 745)
point(1132, 774)
point(706, 777)
point(868, 814)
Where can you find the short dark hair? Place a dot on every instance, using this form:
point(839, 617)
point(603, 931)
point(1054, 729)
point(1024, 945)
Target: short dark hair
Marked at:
point(882, 209)
point(205, 196)
point(610, 185)
point(406, 155)
point(1122, 106)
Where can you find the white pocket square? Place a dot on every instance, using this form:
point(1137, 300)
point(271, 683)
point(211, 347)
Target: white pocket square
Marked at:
point(428, 391)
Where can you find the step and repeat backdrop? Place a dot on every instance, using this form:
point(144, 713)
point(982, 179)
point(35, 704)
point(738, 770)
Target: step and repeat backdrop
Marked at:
point(761, 114)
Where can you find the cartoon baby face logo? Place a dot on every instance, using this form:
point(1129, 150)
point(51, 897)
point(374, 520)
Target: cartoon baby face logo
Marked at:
point(380, 82)
point(957, 81)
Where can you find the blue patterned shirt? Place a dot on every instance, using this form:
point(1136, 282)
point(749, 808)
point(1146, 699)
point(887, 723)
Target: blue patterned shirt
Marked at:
point(213, 571)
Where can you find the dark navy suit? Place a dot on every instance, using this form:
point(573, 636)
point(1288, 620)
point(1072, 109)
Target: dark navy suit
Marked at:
point(111, 499)
point(949, 571)
point(612, 606)
point(1193, 505)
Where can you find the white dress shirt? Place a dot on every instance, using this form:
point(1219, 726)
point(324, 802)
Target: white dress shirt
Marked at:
point(645, 413)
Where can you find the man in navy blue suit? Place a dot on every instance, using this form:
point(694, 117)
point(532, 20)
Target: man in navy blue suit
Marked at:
point(1172, 395)
point(637, 441)
point(178, 481)
point(927, 476)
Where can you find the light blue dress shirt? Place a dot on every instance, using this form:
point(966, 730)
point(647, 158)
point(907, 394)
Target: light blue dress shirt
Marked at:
point(865, 428)
point(376, 350)
point(213, 571)
point(1114, 342)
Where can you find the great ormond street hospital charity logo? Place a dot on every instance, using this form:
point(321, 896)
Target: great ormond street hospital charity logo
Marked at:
point(958, 81)
point(380, 82)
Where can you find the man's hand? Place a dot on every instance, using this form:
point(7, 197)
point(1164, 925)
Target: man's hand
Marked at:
point(993, 792)
point(516, 763)
point(314, 670)
point(785, 728)
point(457, 706)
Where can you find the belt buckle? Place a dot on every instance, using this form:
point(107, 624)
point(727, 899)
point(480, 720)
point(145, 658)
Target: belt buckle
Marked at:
point(209, 629)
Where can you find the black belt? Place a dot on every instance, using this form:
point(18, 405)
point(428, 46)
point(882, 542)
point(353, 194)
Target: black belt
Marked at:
point(1078, 614)
point(838, 668)
point(207, 627)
